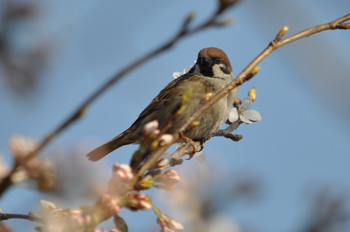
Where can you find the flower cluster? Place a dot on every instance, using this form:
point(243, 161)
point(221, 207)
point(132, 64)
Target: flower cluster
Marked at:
point(110, 204)
point(169, 225)
point(60, 220)
point(167, 180)
point(242, 112)
point(137, 200)
point(43, 172)
point(118, 194)
point(151, 132)
point(121, 176)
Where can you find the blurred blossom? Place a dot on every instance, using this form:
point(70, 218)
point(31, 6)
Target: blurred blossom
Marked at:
point(137, 200)
point(43, 172)
point(121, 175)
point(169, 225)
point(61, 220)
point(5, 228)
point(72, 167)
point(123, 171)
point(3, 167)
point(200, 199)
point(47, 207)
point(146, 182)
point(150, 127)
point(167, 180)
point(242, 112)
point(46, 176)
point(222, 223)
point(166, 139)
point(200, 156)
point(19, 176)
point(110, 203)
point(20, 146)
point(179, 74)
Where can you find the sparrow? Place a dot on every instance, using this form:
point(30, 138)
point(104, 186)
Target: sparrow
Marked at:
point(211, 73)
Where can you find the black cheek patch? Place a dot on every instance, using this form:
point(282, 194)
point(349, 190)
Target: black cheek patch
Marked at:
point(225, 70)
point(207, 71)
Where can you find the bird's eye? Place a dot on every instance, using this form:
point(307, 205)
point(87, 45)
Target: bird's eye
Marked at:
point(217, 60)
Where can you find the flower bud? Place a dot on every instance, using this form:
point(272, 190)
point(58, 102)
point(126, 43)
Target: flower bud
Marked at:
point(252, 94)
point(150, 127)
point(166, 139)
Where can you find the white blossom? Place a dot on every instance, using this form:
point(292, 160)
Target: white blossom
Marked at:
point(179, 74)
point(244, 113)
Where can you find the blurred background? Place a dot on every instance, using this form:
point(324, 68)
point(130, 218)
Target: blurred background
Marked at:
point(289, 173)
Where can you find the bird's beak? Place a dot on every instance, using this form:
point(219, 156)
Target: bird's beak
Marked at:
point(205, 60)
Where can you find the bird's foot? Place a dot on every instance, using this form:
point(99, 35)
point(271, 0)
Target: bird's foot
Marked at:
point(193, 144)
point(202, 142)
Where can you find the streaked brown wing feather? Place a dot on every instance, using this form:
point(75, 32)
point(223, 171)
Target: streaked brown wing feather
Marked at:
point(166, 98)
point(173, 91)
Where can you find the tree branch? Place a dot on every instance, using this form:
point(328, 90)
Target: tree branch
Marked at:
point(243, 77)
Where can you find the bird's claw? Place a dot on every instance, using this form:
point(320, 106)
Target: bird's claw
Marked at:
point(193, 144)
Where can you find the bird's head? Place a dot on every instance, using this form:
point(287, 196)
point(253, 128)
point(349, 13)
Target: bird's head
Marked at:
point(213, 62)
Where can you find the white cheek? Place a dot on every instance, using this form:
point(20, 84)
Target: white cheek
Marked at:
point(218, 72)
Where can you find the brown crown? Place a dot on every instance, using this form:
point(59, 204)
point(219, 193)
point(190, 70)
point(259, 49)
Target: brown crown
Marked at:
point(216, 52)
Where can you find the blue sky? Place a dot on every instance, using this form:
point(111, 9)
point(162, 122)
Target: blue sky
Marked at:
point(299, 147)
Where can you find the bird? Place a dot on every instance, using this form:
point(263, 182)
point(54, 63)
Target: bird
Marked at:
point(211, 73)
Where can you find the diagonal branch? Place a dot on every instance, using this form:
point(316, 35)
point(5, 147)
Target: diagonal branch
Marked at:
point(243, 77)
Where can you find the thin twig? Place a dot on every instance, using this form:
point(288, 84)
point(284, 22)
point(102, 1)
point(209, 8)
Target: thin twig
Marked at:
point(229, 135)
point(212, 21)
point(6, 216)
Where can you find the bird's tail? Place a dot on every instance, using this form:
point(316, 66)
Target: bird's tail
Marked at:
point(124, 138)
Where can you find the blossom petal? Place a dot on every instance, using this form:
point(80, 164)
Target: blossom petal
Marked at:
point(166, 139)
point(177, 74)
point(251, 115)
point(48, 204)
point(188, 68)
point(150, 127)
point(233, 116)
point(200, 156)
point(246, 104)
point(245, 120)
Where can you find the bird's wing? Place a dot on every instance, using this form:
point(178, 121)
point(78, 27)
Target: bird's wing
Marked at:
point(170, 94)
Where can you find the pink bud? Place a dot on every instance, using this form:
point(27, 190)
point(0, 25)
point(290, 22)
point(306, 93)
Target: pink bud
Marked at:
point(176, 225)
point(166, 139)
point(150, 127)
point(167, 180)
point(145, 205)
point(115, 167)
